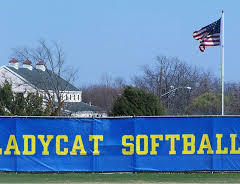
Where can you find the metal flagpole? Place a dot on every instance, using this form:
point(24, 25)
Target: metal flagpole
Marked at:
point(222, 43)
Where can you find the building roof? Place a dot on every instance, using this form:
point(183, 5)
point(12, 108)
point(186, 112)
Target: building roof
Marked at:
point(40, 63)
point(44, 80)
point(81, 106)
point(13, 60)
point(27, 62)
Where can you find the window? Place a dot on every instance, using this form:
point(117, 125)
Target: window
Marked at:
point(78, 97)
point(70, 97)
point(21, 94)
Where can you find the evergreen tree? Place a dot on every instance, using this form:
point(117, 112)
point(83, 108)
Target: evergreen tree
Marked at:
point(34, 105)
point(16, 104)
point(136, 102)
point(205, 104)
point(6, 98)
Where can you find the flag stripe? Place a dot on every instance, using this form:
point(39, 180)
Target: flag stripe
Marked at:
point(210, 45)
point(198, 34)
point(217, 34)
point(210, 39)
point(209, 42)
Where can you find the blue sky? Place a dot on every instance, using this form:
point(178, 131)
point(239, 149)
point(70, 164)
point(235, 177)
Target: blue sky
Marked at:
point(119, 36)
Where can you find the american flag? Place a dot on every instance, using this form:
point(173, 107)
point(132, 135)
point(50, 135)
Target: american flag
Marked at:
point(209, 35)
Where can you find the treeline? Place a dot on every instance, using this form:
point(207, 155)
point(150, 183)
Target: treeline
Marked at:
point(169, 87)
point(181, 88)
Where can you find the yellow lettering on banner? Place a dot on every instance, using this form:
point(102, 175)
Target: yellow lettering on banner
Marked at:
point(26, 150)
point(188, 144)
point(96, 138)
point(45, 144)
point(127, 144)
point(233, 145)
point(219, 145)
point(58, 145)
point(12, 145)
point(205, 144)
point(78, 145)
point(145, 144)
point(172, 138)
point(154, 143)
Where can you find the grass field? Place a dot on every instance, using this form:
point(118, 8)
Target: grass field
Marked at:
point(119, 178)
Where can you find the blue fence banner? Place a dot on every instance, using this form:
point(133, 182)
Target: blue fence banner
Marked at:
point(120, 144)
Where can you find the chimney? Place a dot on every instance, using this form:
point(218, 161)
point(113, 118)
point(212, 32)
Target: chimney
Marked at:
point(13, 63)
point(27, 64)
point(41, 66)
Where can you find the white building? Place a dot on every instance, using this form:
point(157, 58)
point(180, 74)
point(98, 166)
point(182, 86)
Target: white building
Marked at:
point(29, 79)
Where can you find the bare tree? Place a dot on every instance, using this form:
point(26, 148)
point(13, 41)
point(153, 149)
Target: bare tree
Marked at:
point(170, 73)
point(232, 98)
point(53, 57)
point(104, 93)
